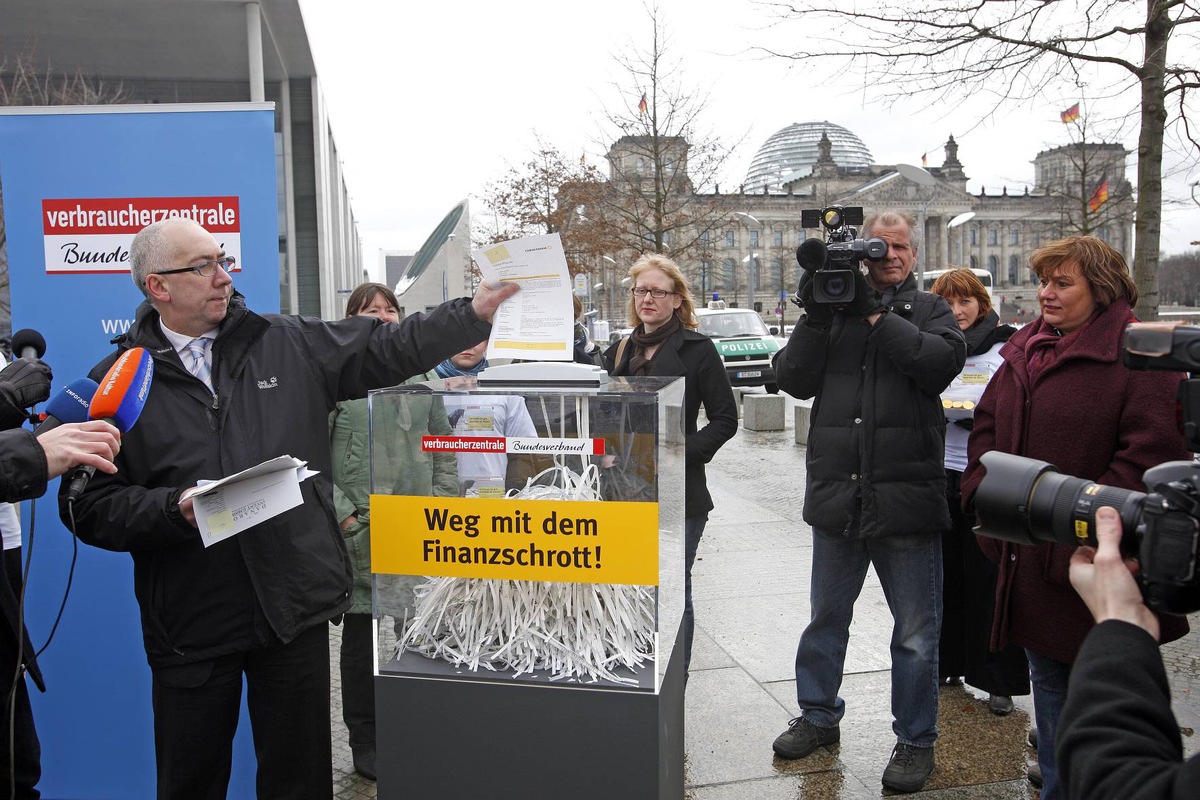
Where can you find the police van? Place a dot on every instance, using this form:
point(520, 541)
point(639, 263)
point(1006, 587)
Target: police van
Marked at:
point(744, 342)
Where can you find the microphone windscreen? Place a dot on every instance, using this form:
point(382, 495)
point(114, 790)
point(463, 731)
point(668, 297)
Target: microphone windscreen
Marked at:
point(72, 402)
point(122, 394)
point(28, 337)
point(811, 254)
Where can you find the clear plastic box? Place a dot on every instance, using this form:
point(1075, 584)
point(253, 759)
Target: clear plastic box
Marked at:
point(528, 533)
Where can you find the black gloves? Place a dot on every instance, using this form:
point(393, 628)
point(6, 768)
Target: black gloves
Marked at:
point(22, 383)
point(820, 315)
point(865, 302)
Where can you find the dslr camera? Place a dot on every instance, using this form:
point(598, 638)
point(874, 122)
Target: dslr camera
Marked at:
point(843, 251)
point(1028, 501)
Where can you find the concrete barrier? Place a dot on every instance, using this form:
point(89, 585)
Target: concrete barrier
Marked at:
point(763, 412)
point(800, 413)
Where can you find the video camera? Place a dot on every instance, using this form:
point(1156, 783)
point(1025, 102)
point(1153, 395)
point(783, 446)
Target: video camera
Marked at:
point(1028, 501)
point(842, 251)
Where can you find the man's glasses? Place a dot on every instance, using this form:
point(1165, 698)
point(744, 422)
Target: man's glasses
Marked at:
point(205, 269)
point(657, 294)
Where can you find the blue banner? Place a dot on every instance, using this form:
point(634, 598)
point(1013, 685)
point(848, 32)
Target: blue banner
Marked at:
point(78, 183)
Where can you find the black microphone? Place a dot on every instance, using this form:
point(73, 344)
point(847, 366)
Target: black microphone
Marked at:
point(28, 343)
point(811, 254)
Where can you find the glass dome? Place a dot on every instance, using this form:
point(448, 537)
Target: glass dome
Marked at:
point(790, 153)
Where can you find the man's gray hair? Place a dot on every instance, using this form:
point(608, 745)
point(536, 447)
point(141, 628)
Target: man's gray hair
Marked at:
point(150, 250)
point(894, 219)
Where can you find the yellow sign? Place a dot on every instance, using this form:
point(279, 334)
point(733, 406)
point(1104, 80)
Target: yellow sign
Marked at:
point(533, 540)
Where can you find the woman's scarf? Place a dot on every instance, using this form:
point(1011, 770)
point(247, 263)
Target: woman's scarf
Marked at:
point(1044, 347)
point(446, 369)
point(638, 363)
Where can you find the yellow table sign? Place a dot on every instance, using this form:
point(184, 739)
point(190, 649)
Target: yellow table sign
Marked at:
point(532, 540)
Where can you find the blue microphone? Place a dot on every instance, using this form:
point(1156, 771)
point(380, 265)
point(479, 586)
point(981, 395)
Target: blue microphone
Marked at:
point(69, 405)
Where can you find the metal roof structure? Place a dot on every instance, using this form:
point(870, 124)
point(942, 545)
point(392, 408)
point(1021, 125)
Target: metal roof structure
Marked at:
point(790, 153)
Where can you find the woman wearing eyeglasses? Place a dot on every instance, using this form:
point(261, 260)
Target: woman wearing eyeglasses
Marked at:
point(664, 342)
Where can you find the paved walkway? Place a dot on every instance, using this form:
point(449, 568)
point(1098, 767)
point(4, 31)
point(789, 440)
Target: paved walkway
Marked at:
point(751, 599)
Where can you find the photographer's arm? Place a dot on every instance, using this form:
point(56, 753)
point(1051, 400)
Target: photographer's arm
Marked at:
point(1118, 737)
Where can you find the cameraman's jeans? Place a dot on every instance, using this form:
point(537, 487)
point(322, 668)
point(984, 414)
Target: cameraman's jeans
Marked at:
point(910, 571)
point(1049, 679)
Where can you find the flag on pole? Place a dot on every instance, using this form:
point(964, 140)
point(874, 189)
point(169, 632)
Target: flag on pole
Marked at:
point(1071, 114)
point(1100, 196)
point(924, 162)
point(642, 105)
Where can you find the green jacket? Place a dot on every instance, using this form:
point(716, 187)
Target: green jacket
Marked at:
point(415, 473)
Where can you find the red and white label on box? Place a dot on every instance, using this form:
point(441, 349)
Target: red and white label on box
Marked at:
point(513, 445)
point(93, 234)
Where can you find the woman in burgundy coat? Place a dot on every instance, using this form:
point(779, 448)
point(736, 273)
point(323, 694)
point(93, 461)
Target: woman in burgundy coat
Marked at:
point(1063, 395)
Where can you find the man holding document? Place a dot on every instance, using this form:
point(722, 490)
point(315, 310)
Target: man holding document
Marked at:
point(232, 389)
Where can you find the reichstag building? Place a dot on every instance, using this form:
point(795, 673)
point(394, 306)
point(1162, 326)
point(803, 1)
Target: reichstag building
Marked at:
point(1075, 188)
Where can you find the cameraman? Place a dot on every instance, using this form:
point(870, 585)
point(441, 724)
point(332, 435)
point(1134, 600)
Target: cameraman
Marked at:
point(1118, 737)
point(26, 464)
point(875, 489)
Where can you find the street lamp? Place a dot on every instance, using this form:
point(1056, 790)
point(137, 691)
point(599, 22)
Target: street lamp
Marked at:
point(750, 282)
point(921, 177)
point(961, 219)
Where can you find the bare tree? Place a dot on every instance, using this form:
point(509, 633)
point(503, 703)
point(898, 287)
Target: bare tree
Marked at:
point(1090, 193)
point(662, 161)
point(23, 83)
point(546, 194)
point(1179, 278)
point(1011, 50)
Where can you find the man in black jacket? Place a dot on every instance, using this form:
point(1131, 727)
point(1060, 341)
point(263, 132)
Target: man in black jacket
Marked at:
point(876, 490)
point(27, 463)
point(232, 389)
point(1118, 739)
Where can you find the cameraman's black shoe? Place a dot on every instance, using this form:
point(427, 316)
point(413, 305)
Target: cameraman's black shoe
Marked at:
point(1031, 738)
point(1034, 774)
point(909, 768)
point(802, 738)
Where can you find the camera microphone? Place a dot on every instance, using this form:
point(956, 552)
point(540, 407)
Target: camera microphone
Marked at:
point(811, 255)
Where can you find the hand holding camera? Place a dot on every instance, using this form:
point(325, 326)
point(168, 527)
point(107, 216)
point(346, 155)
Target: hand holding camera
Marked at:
point(820, 315)
point(865, 302)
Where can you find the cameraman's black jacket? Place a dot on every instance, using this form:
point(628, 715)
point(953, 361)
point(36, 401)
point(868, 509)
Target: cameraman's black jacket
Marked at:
point(875, 446)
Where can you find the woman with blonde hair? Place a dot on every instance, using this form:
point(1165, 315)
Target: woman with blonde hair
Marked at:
point(969, 578)
point(664, 342)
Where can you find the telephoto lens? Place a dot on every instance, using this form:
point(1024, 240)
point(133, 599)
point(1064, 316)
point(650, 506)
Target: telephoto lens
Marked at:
point(1028, 501)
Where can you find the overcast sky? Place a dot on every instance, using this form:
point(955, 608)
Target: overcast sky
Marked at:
point(429, 102)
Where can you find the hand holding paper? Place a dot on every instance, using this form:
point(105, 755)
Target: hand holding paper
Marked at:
point(227, 507)
point(538, 324)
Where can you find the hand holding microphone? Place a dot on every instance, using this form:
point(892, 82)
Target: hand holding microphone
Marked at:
point(69, 440)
